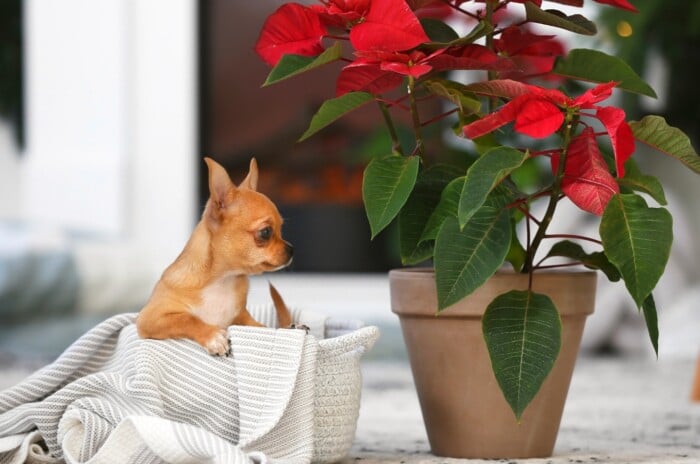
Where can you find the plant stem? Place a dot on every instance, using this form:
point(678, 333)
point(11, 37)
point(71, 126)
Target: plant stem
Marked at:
point(553, 197)
point(419, 150)
point(554, 266)
point(573, 236)
point(395, 143)
point(492, 101)
point(456, 8)
point(439, 117)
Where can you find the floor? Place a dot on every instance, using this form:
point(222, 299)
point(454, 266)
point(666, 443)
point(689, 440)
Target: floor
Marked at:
point(617, 412)
point(619, 409)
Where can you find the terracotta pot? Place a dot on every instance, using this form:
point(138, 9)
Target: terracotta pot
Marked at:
point(695, 392)
point(465, 413)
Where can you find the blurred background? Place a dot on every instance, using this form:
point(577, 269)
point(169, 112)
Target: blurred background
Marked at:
point(108, 106)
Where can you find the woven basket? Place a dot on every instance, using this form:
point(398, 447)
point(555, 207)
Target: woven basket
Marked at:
point(341, 344)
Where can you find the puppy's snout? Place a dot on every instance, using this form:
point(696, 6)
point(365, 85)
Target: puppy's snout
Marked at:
point(289, 249)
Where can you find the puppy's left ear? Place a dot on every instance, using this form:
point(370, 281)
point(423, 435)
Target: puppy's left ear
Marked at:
point(221, 189)
point(251, 180)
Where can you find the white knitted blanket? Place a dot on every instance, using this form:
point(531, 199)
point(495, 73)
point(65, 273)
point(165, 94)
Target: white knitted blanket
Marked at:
point(113, 397)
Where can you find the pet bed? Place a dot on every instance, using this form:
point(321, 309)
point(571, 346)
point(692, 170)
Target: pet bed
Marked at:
point(113, 397)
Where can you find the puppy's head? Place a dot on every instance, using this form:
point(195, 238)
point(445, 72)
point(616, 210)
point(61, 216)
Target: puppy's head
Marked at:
point(245, 226)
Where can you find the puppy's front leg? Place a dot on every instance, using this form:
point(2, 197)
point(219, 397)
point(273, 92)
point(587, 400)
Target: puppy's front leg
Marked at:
point(159, 324)
point(244, 318)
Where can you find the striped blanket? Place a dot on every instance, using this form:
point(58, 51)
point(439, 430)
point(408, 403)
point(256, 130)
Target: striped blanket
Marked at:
point(113, 397)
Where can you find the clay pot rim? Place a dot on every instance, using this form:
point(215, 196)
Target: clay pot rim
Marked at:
point(420, 272)
point(408, 285)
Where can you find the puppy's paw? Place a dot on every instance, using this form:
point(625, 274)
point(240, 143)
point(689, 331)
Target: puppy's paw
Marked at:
point(218, 343)
point(299, 327)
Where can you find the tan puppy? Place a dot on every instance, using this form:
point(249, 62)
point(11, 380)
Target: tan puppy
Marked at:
point(205, 290)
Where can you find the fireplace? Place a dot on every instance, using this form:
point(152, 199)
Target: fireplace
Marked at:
point(317, 184)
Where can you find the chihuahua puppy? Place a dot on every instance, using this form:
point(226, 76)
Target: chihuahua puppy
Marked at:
point(205, 290)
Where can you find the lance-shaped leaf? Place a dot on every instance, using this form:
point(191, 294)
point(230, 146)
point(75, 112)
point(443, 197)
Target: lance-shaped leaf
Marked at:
point(522, 331)
point(595, 260)
point(595, 66)
point(366, 77)
point(574, 23)
point(386, 186)
point(291, 29)
point(390, 25)
point(481, 29)
point(655, 132)
point(483, 176)
point(438, 31)
point(446, 208)
point(637, 240)
point(335, 108)
point(516, 253)
point(587, 181)
point(652, 320)
point(501, 88)
point(456, 93)
point(465, 259)
point(418, 209)
point(635, 180)
point(293, 65)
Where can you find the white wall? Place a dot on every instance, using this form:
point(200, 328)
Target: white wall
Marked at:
point(111, 120)
point(9, 173)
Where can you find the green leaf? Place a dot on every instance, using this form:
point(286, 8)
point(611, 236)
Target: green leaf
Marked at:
point(522, 331)
point(480, 30)
point(438, 31)
point(637, 240)
point(502, 195)
point(386, 185)
point(595, 66)
point(595, 260)
point(415, 214)
point(465, 259)
point(483, 176)
point(292, 65)
point(446, 208)
point(635, 180)
point(574, 23)
point(651, 318)
point(655, 132)
point(516, 253)
point(333, 109)
point(456, 93)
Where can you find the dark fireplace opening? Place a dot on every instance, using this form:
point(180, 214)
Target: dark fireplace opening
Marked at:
point(317, 184)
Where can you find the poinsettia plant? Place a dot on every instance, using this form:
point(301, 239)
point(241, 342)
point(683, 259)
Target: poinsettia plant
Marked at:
point(528, 98)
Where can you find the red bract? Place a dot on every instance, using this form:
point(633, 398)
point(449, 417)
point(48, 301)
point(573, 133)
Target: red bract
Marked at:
point(532, 54)
point(348, 11)
point(469, 57)
point(533, 112)
point(292, 29)
point(621, 136)
point(366, 77)
point(389, 26)
point(587, 181)
point(430, 8)
point(538, 118)
point(377, 72)
point(624, 4)
point(534, 115)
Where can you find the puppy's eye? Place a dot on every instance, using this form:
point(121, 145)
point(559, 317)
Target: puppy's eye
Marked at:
point(265, 234)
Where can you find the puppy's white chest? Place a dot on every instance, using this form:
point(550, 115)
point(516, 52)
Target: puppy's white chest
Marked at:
point(218, 303)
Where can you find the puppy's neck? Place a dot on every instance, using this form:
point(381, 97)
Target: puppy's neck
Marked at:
point(195, 267)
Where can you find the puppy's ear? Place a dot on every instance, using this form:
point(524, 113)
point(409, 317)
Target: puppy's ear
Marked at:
point(251, 180)
point(221, 188)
